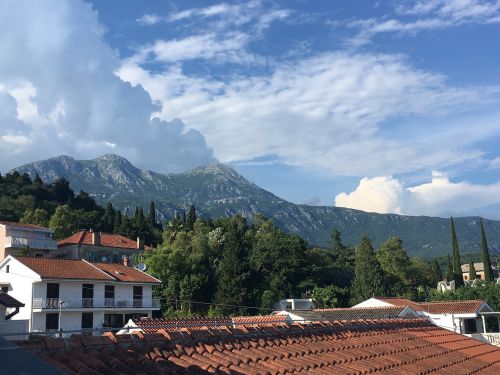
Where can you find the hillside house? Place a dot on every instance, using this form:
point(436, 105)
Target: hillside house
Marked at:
point(479, 267)
point(76, 294)
point(98, 247)
point(26, 239)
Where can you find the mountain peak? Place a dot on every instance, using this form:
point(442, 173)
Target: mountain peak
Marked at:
point(112, 158)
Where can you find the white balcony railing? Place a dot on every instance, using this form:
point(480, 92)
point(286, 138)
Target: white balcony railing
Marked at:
point(32, 243)
point(96, 303)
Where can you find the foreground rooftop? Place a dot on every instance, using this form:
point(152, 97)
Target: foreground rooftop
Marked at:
point(389, 346)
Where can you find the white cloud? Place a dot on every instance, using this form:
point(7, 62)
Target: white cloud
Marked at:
point(428, 15)
point(438, 197)
point(59, 94)
point(325, 112)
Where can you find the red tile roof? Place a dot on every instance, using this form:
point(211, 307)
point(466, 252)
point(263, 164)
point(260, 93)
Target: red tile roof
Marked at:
point(64, 269)
point(151, 325)
point(125, 273)
point(106, 240)
point(451, 307)
point(259, 319)
point(79, 269)
point(26, 226)
point(357, 347)
point(396, 301)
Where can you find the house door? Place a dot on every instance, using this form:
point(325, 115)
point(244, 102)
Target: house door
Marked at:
point(52, 300)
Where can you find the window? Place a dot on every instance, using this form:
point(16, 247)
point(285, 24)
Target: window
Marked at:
point(137, 296)
point(52, 321)
point(113, 320)
point(7, 269)
point(87, 320)
point(470, 325)
point(5, 289)
point(87, 295)
point(52, 290)
point(109, 291)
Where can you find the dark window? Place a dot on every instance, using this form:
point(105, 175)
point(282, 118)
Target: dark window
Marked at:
point(137, 296)
point(470, 326)
point(87, 295)
point(7, 269)
point(51, 321)
point(109, 291)
point(87, 320)
point(5, 289)
point(38, 255)
point(52, 290)
point(113, 320)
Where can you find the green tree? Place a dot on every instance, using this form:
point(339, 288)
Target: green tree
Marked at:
point(64, 222)
point(488, 275)
point(117, 223)
point(472, 271)
point(343, 260)
point(329, 296)
point(436, 271)
point(367, 272)
point(38, 216)
point(457, 264)
point(449, 272)
point(152, 215)
point(233, 272)
point(395, 265)
point(191, 218)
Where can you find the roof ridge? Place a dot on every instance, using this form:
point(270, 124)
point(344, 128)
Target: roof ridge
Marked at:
point(97, 268)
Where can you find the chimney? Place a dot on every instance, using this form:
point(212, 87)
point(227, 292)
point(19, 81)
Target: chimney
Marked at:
point(140, 243)
point(125, 261)
point(96, 238)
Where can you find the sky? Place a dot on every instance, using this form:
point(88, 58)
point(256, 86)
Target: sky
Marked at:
point(384, 106)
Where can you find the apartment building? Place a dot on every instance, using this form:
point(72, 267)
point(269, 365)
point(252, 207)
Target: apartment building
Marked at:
point(26, 239)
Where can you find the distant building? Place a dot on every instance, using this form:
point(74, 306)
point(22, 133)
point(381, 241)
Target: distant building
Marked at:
point(479, 267)
point(465, 317)
point(294, 304)
point(76, 294)
point(98, 247)
point(26, 239)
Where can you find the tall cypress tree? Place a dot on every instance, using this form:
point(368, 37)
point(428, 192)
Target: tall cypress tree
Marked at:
point(152, 215)
point(191, 218)
point(488, 275)
point(457, 264)
point(449, 274)
point(472, 271)
point(368, 278)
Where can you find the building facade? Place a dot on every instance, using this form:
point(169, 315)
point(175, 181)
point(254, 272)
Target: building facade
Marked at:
point(479, 267)
point(26, 239)
point(76, 295)
point(98, 247)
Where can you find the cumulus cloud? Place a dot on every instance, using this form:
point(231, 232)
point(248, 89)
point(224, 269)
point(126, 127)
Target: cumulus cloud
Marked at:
point(325, 111)
point(59, 94)
point(440, 196)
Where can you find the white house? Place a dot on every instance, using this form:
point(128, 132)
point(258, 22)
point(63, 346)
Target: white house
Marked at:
point(294, 304)
point(76, 294)
point(33, 239)
point(465, 317)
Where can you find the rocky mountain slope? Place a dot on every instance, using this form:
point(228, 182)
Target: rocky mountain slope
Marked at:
point(218, 190)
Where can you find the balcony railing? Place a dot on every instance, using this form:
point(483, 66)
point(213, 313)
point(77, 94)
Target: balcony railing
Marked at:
point(96, 303)
point(32, 243)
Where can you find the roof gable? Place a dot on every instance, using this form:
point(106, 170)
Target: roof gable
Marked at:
point(84, 237)
point(12, 224)
point(453, 307)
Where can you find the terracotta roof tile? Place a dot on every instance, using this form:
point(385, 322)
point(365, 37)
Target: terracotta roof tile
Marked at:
point(78, 269)
point(125, 273)
point(396, 301)
point(451, 307)
point(390, 346)
point(106, 240)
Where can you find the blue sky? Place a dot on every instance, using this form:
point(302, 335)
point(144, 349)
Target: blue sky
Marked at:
point(389, 106)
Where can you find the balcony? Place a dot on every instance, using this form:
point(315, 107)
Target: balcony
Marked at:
point(93, 303)
point(32, 243)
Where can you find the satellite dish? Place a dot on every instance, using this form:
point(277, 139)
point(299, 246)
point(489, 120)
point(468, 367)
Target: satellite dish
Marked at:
point(141, 267)
point(124, 257)
point(104, 259)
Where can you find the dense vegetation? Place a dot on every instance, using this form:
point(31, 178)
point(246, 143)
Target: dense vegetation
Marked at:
point(230, 266)
point(56, 206)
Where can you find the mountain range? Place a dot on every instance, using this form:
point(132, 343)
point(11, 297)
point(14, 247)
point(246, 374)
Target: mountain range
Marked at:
point(218, 190)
